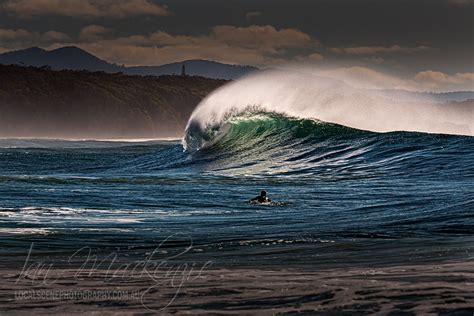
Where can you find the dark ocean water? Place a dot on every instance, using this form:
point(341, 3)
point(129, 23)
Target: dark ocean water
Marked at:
point(344, 197)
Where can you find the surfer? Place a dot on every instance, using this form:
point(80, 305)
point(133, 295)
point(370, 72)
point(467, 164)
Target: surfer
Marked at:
point(262, 198)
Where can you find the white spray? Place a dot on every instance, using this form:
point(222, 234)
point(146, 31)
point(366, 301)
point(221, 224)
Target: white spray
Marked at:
point(332, 97)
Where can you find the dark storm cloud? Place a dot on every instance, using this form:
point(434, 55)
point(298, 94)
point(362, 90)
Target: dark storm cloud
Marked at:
point(409, 36)
point(83, 8)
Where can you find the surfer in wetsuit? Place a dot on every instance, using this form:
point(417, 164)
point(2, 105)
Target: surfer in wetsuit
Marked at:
point(262, 198)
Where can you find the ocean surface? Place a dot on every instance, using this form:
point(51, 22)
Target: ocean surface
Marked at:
point(342, 196)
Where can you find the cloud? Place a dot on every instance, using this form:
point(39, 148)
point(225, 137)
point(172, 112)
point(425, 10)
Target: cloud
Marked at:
point(56, 36)
point(436, 80)
point(134, 8)
point(29, 8)
point(255, 45)
point(261, 36)
point(431, 81)
point(315, 57)
point(461, 3)
point(375, 59)
point(24, 37)
point(84, 8)
point(8, 35)
point(253, 14)
point(374, 50)
point(92, 32)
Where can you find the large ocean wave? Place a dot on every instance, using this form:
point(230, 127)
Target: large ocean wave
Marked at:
point(300, 123)
point(266, 143)
point(300, 102)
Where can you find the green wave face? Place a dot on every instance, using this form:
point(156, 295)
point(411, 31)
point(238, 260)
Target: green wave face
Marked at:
point(267, 142)
point(264, 129)
point(259, 143)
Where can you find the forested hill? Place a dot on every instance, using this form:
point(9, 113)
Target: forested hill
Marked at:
point(36, 102)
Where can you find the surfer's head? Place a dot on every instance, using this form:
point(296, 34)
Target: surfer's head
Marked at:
point(263, 193)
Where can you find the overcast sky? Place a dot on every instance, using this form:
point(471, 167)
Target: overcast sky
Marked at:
point(430, 39)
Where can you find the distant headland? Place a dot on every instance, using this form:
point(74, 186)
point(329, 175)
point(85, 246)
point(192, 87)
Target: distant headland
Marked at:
point(40, 102)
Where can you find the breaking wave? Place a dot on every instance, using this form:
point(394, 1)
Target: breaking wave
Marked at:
point(300, 104)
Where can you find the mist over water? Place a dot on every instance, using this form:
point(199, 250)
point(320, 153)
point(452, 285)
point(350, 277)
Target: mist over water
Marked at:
point(331, 97)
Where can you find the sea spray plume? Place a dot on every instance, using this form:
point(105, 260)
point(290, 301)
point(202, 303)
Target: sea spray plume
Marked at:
point(326, 96)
